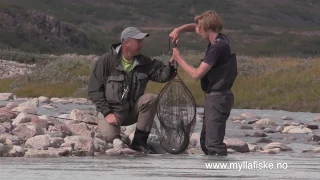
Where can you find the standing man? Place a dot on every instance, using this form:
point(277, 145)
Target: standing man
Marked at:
point(217, 72)
point(117, 84)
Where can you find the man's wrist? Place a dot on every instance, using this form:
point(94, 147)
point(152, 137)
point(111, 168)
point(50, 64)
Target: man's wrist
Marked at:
point(106, 113)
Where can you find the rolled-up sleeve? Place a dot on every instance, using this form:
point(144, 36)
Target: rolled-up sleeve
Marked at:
point(159, 72)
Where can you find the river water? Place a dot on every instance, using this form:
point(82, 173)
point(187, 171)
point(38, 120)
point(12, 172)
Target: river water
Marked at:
point(162, 167)
point(284, 165)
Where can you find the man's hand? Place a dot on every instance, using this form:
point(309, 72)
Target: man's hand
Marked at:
point(174, 35)
point(112, 119)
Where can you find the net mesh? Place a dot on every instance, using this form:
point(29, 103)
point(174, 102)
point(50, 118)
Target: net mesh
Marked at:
point(176, 112)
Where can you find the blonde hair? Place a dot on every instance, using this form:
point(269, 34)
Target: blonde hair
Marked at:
point(209, 20)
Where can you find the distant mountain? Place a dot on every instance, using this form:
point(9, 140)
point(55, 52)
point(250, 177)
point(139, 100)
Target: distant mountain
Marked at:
point(273, 27)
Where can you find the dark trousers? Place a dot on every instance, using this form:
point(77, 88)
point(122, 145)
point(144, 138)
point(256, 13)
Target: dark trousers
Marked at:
point(217, 110)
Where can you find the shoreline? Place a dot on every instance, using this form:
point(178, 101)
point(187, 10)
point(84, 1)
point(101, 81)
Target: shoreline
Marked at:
point(248, 131)
point(79, 100)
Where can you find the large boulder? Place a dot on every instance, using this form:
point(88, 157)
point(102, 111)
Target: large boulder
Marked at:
point(43, 123)
point(317, 119)
point(313, 137)
point(275, 145)
point(80, 129)
point(50, 153)
point(296, 130)
point(21, 118)
point(85, 143)
point(6, 96)
point(43, 99)
point(236, 145)
point(59, 100)
point(316, 150)
point(27, 131)
point(84, 115)
point(13, 151)
point(195, 140)
point(265, 121)
point(9, 139)
point(59, 130)
point(248, 115)
point(6, 115)
point(79, 100)
point(56, 142)
point(11, 105)
point(33, 103)
point(41, 142)
point(119, 152)
point(118, 144)
point(29, 110)
point(2, 129)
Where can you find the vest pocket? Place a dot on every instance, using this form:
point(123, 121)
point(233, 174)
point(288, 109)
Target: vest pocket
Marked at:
point(114, 88)
point(141, 84)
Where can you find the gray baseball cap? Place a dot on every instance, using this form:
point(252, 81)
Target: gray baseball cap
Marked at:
point(132, 32)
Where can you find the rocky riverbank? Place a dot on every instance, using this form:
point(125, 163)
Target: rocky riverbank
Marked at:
point(9, 69)
point(25, 133)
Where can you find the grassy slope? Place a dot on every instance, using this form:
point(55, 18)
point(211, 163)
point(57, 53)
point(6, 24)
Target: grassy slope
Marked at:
point(265, 83)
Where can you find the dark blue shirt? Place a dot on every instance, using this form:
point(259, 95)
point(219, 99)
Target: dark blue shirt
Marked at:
point(218, 51)
point(224, 66)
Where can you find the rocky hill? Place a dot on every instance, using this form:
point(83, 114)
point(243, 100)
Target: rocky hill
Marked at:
point(29, 30)
point(267, 28)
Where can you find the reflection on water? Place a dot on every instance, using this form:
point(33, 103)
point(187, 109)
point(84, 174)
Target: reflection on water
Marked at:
point(161, 167)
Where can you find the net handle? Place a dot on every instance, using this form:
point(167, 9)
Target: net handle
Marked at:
point(175, 62)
